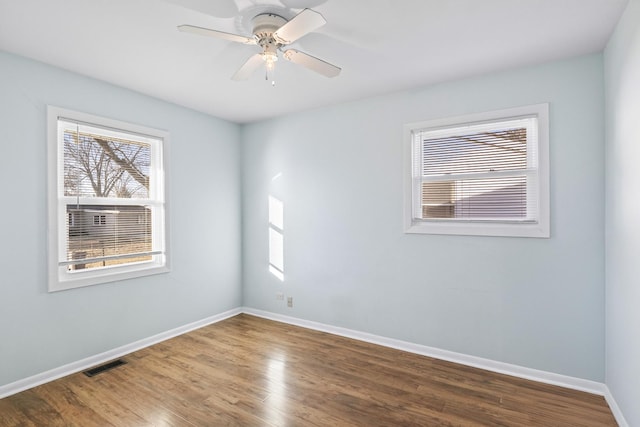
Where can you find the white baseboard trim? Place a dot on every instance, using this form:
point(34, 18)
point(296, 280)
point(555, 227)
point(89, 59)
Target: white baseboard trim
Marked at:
point(477, 362)
point(81, 365)
point(615, 409)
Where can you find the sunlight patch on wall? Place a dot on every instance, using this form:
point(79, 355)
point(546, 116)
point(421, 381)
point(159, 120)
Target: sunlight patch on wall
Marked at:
point(276, 237)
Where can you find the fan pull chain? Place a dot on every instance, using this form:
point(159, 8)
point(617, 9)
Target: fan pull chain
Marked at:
point(266, 77)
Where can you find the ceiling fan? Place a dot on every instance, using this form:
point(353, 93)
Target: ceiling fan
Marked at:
point(271, 32)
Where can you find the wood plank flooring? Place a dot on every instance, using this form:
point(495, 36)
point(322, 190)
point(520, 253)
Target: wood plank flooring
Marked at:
point(248, 371)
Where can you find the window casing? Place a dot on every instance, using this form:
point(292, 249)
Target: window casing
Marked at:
point(107, 200)
point(481, 174)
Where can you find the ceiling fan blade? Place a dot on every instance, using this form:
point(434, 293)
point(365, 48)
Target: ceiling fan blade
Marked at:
point(214, 33)
point(249, 67)
point(303, 23)
point(312, 63)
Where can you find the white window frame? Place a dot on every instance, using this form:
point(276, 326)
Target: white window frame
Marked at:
point(540, 227)
point(59, 276)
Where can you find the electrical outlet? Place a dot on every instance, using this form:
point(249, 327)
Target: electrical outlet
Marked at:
point(289, 301)
point(280, 296)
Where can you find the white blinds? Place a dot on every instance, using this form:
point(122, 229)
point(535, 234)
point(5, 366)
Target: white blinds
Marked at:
point(100, 236)
point(484, 171)
point(107, 192)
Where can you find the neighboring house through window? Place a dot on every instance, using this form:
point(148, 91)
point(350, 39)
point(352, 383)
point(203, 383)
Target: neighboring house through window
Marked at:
point(482, 174)
point(107, 210)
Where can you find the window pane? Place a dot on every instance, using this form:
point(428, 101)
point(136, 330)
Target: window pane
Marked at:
point(97, 165)
point(110, 235)
point(504, 198)
point(495, 150)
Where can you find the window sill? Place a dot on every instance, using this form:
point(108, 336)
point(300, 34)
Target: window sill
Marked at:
point(479, 228)
point(65, 280)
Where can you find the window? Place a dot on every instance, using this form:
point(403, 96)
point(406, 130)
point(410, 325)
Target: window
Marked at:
point(107, 210)
point(482, 174)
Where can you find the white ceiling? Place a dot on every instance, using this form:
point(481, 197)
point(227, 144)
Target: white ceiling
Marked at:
point(381, 45)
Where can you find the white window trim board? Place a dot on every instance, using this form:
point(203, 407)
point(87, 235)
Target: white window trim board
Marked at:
point(58, 281)
point(540, 229)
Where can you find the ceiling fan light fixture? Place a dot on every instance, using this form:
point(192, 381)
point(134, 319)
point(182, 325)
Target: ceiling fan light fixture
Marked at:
point(270, 59)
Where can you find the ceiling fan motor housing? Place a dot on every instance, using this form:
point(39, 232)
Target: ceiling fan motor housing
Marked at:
point(265, 24)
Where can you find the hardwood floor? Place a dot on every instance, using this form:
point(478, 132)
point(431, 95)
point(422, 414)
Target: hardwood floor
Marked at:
point(249, 371)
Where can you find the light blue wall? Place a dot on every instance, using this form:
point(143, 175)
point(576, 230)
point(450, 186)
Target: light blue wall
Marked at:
point(40, 330)
point(538, 303)
point(622, 76)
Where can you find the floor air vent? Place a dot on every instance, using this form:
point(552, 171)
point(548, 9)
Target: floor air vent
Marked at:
point(99, 369)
